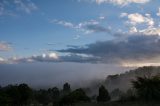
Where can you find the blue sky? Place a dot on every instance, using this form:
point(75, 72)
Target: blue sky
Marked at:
point(123, 33)
point(31, 27)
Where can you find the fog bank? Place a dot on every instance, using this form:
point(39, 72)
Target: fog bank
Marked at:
point(55, 74)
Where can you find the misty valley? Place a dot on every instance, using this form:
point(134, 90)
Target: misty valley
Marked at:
point(138, 87)
point(79, 52)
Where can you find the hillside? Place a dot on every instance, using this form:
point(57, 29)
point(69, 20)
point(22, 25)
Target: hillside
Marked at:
point(123, 81)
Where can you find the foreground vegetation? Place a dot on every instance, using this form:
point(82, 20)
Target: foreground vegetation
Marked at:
point(145, 91)
point(127, 103)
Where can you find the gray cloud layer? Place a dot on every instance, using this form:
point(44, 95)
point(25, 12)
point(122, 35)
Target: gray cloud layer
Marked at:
point(131, 48)
point(134, 47)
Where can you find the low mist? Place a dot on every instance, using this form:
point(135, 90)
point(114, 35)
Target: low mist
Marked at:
point(44, 75)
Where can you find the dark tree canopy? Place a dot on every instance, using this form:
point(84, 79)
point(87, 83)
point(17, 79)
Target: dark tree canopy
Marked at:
point(147, 88)
point(66, 89)
point(103, 94)
point(25, 93)
point(16, 95)
point(76, 96)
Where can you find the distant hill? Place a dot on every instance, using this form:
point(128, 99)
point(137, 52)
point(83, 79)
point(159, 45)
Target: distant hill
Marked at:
point(123, 81)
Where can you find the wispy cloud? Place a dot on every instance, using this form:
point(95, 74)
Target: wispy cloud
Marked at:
point(4, 46)
point(122, 2)
point(27, 6)
point(6, 7)
point(86, 27)
point(118, 2)
point(76, 37)
point(158, 13)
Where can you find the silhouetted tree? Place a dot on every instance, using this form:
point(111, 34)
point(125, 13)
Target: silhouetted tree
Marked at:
point(66, 89)
point(43, 97)
point(147, 88)
point(13, 94)
point(25, 94)
point(116, 94)
point(4, 98)
point(76, 96)
point(130, 95)
point(55, 95)
point(103, 94)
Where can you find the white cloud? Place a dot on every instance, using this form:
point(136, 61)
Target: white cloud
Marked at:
point(1, 59)
point(28, 7)
point(87, 27)
point(123, 14)
point(146, 22)
point(101, 17)
point(137, 18)
point(150, 31)
point(53, 55)
point(122, 2)
point(158, 14)
point(45, 57)
point(80, 25)
point(133, 30)
point(139, 64)
point(63, 23)
point(4, 46)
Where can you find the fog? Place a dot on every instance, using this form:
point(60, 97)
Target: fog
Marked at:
point(46, 75)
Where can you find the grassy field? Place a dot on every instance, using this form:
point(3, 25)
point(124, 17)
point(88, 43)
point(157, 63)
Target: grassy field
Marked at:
point(120, 104)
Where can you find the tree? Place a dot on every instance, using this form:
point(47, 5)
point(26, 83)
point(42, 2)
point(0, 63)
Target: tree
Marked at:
point(147, 88)
point(25, 94)
point(76, 96)
point(43, 97)
point(79, 95)
point(54, 94)
point(13, 94)
point(103, 94)
point(66, 89)
point(116, 94)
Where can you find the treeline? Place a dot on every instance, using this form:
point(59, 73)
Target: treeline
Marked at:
point(145, 88)
point(23, 95)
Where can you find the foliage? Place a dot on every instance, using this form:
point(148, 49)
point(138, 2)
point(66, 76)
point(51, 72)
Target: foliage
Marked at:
point(103, 94)
point(66, 89)
point(116, 94)
point(147, 88)
point(130, 95)
point(16, 95)
point(76, 96)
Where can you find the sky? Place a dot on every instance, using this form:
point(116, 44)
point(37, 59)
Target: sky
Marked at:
point(101, 36)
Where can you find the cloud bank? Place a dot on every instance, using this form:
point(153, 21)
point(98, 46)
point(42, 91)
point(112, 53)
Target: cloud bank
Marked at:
point(122, 2)
point(134, 48)
point(127, 51)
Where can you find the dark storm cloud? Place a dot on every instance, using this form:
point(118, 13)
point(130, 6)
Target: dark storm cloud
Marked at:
point(79, 58)
point(134, 47)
